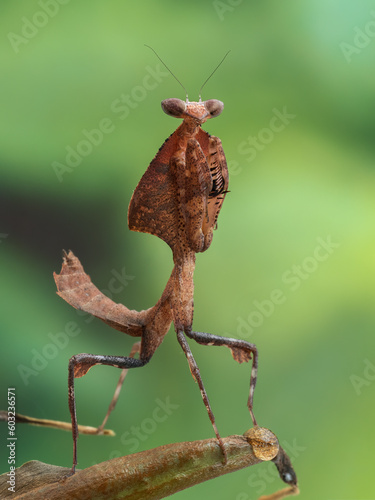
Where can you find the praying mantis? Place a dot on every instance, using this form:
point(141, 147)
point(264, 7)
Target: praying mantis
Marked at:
point(178, 199)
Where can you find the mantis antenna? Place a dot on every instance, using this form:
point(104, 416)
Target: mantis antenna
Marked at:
point(220, 63)
point(174, 76)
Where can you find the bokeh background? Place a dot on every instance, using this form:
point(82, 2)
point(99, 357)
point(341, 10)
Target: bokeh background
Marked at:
point(68, 68)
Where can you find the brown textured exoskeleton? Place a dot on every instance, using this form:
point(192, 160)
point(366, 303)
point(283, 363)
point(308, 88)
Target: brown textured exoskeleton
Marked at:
point(178, 199)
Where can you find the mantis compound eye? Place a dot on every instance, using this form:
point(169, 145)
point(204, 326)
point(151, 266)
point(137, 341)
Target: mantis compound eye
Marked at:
point(174, 107)
point(214, 107)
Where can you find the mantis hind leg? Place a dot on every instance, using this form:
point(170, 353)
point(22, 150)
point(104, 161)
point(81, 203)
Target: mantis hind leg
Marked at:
point(197, 377)
point(79, 365)
point(242, 351)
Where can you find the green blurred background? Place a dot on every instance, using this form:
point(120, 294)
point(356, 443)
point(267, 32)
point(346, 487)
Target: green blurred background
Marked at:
point(312, 178)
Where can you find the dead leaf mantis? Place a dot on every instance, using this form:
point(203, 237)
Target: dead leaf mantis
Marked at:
point(178, 199)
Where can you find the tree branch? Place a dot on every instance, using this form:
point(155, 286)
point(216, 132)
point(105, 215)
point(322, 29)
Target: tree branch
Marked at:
point(152, 474)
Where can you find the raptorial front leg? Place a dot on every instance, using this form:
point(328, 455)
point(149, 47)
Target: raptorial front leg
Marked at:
point(242, 351)
point(135, 350)
point(79, 365)
point(196, 374)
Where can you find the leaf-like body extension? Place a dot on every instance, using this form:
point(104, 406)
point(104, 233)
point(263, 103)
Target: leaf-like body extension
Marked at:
point(153, 207)
point(161, 201)
point(76, 288)
point(240, 355)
